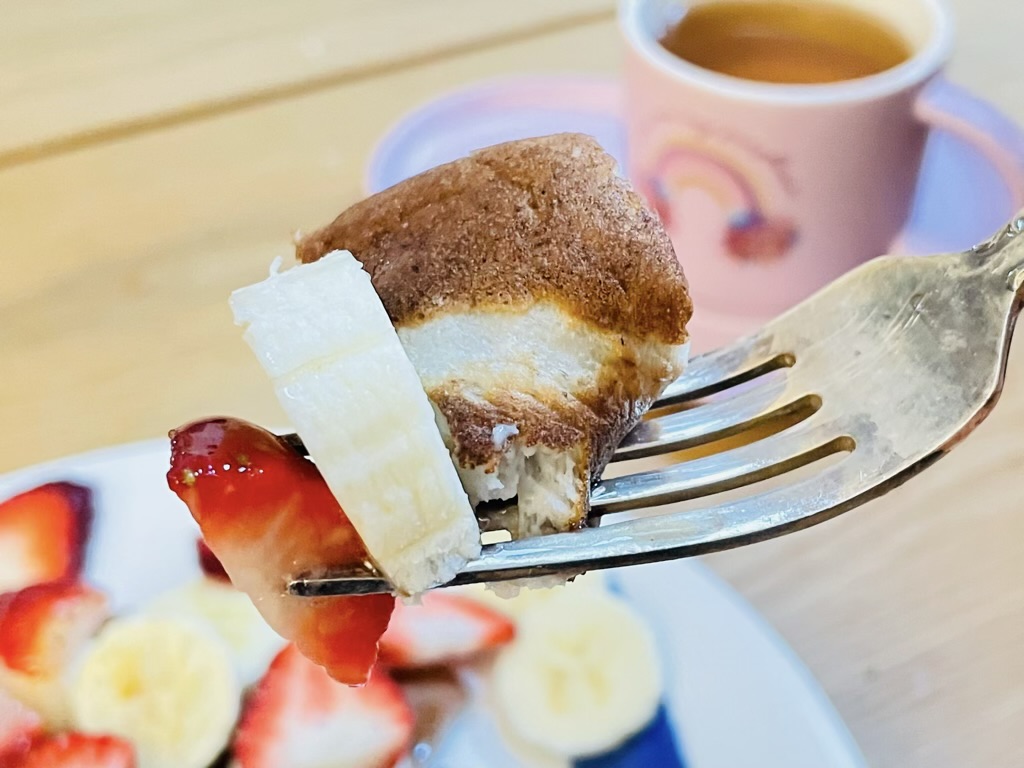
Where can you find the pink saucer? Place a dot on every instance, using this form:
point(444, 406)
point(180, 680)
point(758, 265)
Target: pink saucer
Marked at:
point(961, 199)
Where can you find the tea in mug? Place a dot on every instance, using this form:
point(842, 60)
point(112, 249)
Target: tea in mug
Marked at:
point(786, 42)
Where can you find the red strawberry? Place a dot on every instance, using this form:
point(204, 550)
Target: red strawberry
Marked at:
point(268, 515)
point(442, 629)
point(41, 625)
point(78, 750)
point(42, 629)
point(209, 564)
point(18, 726)
point(300, 718)
point(43, 533)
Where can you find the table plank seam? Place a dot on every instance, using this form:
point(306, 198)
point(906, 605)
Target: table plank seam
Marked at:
point(209, 110)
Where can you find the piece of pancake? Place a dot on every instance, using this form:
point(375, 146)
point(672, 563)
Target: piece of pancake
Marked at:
point(542, 306)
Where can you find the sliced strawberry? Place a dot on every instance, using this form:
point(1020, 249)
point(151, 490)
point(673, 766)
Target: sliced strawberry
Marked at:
point(41, 626)
point(299, 717)
point(268, 515)
point(19, 725)
point(42, 630)
point(209, 564)
point(79, 750)
point(442, 629)
point(43, 534)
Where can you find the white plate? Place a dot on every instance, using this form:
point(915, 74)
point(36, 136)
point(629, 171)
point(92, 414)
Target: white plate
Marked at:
point(737, 696)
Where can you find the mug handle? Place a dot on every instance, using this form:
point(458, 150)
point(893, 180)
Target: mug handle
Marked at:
point(949, 107)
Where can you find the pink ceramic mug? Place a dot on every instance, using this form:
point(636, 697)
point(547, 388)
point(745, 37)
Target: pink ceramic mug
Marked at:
point(770, 191)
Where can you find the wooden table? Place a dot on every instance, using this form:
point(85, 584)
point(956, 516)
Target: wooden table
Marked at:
point(153, 156)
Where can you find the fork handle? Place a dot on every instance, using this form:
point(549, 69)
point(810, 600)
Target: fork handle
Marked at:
point(1003, 254)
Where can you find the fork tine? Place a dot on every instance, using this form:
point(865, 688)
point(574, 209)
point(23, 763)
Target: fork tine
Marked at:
point(696, 426)
point(707, 374)
point(712, 421)
point(636, 541)
point(659, 537)
point(725, 471)
point(640, 540)
point(908, 356)
point(724, 368)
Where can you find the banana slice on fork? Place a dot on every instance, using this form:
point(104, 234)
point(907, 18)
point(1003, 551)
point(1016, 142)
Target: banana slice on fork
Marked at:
point(343, 378)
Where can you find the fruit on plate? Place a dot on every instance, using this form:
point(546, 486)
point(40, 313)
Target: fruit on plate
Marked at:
point(581, 676)
point(43, 533)
point(208, 562)
point(340, 373)
point(268, 515)
point(298, 717)
point(164, 684)
point(19, 725)
point(79, 750)
point(444, 628)
point(229, 613)
point(43, 629)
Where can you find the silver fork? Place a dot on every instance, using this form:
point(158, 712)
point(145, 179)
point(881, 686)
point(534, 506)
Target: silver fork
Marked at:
point(892, 365)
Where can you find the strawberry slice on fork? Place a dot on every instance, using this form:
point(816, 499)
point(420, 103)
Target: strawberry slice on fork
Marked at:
point(209, 564)
point(268, 516)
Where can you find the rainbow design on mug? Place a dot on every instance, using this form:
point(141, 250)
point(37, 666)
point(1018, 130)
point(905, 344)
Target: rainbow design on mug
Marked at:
point(752, 234)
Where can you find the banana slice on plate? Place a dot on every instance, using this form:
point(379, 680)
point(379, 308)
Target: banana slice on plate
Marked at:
point(582, 675)
point(342, 376)
point(231, 614)
point(165, 684)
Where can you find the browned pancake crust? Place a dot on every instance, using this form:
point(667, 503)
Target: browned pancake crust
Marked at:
point(512, 224)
